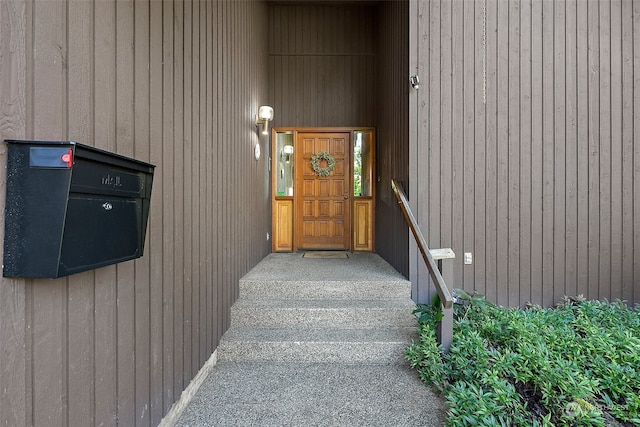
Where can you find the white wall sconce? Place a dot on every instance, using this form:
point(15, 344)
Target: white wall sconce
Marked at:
point(286, 153)
point(264, 116)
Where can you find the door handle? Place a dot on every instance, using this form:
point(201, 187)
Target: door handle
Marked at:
point(346, 196)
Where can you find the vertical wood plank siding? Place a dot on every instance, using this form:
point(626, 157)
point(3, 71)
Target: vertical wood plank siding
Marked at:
point(522, 146)
point(392, 101)
point(173, 83)
point(322, 64)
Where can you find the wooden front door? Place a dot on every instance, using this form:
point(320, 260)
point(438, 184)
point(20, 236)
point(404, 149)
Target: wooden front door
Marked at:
point(323, 202)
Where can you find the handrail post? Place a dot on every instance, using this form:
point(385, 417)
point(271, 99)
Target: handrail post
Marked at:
point(444, 333)
point(445, 326)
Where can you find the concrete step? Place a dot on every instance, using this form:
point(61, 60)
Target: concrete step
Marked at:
point(336, 289)
point(316, 345)
point(317, 342)
point(322, 313)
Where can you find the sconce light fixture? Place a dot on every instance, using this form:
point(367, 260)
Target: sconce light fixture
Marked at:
point(287, 151)
point(415, 82)
point(264, 116)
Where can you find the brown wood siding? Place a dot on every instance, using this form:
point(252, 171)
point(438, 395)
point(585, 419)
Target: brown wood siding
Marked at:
point(392, 99)
point(173, 83)
point(322, 65)
point(523, 137)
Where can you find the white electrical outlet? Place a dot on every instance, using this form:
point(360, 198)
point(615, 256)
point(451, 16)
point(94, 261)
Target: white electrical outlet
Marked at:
point(268, 236)
point(468, 258)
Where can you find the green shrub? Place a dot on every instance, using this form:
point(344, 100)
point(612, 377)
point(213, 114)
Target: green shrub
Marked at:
point(576, 364)
point(425, 355)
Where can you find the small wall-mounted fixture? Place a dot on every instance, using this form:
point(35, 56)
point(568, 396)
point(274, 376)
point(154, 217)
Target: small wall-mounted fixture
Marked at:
point(415, 82)
point(264, 116)
point(256, 151)
point(287, 151)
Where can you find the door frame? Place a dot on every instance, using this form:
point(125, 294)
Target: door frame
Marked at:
point(283, 206)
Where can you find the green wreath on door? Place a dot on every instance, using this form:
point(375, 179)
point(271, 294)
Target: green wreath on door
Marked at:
point(318, 158)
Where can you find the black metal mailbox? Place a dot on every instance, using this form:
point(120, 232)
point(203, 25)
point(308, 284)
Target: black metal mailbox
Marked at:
point(71, 208)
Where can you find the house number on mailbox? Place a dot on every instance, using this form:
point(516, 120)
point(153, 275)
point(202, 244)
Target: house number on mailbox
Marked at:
point(113, 181)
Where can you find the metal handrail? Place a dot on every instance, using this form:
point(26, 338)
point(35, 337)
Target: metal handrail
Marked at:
point(443, 292)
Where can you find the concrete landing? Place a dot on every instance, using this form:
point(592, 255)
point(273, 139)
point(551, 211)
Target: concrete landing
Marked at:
point(276, 394)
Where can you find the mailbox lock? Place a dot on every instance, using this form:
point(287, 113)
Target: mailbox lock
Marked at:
point(107, 206)
point(68, 158)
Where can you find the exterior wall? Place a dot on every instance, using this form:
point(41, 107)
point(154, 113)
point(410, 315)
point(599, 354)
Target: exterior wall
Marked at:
point(346, 65)
point(392, 92)
point(173, 83)
point(322, 64)
point(524, 143)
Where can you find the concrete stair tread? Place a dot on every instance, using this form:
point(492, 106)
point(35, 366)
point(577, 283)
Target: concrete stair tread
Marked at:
point(322, 313)
point(325, 304)
point(344, 346)
point(335, 282)
point(270, 289)
point(359, 266)
point(327, 335)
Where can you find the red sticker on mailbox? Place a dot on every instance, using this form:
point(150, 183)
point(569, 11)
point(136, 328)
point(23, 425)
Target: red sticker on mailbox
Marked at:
point(68, 158)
